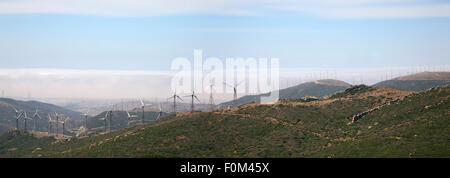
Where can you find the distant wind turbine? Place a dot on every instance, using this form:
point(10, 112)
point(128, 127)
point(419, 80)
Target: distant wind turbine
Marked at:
point(25, 119)
point(175, 97)
point(160, 112)
point(130, 117)
point(143, 110)
point(234, 91)
point(17, 116)
point(211, 98)
point(36, 116)
point(193, 96)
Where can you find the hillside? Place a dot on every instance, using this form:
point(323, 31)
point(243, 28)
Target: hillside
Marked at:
point(7, 120)
point(16, 143)
point(317, 88)
point(406, 124)
point(417, 82)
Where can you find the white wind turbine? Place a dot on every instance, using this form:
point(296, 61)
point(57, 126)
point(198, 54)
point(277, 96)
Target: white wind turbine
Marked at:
point(57, 123)
point(175, 96)
point(36, 116)
point(63, 122)
point(234, 91)
point(85, 120)
point(25, 119)
point(105, 119)
point(130, 117)
point(211, 98)
point(192, 102)
point(160, 112)
point(143, 109)
point(17, 116)
point(50, 123)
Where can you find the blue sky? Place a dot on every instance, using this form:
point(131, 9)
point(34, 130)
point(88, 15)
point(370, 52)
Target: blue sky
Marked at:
point(128, 35)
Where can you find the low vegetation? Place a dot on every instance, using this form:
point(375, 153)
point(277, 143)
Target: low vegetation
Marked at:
point(416, 125)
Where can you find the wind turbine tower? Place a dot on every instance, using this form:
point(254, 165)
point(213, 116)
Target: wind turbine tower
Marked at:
point(234, 91)
point(57, 123)
point(25, 119)
point(36, 116)
point(143, 109)
point(160, 112)
point(17, 116)
point(193, 96)
point(130, 117)
point(85, 120)
point(50, 121)
point(63, 122)
point(175, 96)
point(211, 98)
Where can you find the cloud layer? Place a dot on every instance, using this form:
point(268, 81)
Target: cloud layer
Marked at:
point(321, 8)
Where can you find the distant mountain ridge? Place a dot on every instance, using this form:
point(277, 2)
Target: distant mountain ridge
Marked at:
point(317, 88)
point(417, 82)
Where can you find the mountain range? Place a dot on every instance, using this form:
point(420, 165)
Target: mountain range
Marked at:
point(317, 88)
point(417, 82)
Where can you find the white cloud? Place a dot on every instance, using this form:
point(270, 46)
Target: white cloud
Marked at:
point(322, 8)
point(376, 11)
point(62, 83)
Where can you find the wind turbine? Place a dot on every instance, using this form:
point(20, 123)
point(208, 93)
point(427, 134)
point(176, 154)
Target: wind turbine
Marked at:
point(234, 90)
point(192, 102)
point(25, 119)
point(143, 109)
point(110, 117)
point(175, 96)
point(50, 121)
point(57, 125)
point(160, 112)
point(63, 122)
point(211, 99)
point(129, 117)
point(105, 119)
point(35, 117)
point(85, 120)
point(17, 116)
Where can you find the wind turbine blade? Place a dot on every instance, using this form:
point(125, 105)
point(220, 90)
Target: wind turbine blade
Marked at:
point(196, 98)
point(179, 98)
point(14, 108)
point(228, 84)
point(239, 83)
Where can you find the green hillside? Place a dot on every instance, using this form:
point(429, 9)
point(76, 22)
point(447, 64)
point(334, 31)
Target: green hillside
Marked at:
point(406, 124)
point(18, 143)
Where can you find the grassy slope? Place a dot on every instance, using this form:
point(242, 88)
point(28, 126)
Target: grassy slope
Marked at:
point(19, 143)
point(416, 127)
point(284, 130)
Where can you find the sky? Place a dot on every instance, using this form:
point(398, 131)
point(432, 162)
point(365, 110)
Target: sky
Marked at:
point(136, 35)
